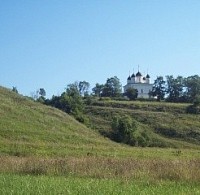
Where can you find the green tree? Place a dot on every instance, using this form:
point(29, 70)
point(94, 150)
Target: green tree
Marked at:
point(112, 88)
point(70, 102)
point(83, 87)
point(42, 92)
point(192, 84)
point(158, 89)
point(124, 128)
point(72, 99)
point(98, 89)
point(131, 93)
point(175, 88)
point(195, 107)
point(14, 89)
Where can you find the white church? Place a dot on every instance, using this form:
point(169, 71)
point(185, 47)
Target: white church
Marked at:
point(141, 83)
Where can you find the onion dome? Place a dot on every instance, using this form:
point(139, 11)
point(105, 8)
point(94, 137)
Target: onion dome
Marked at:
point(138, 74)
point(129, 78)
point(133, 75)
point(147, 76)
point(144, 78)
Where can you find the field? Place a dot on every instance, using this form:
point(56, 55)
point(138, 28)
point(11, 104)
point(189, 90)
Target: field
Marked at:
point(45, 151)
point(15, 184)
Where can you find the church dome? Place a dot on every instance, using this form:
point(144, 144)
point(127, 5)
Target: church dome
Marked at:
point(138, 74)
point(144, 78)
point(129, 78)
point(147, 76)
point(133, 75)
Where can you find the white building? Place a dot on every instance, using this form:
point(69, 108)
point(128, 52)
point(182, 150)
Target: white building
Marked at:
point(141, 83)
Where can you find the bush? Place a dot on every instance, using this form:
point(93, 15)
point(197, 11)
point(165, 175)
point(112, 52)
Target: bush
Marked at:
point(193, 109)
point(127, 130)
point(124, 128)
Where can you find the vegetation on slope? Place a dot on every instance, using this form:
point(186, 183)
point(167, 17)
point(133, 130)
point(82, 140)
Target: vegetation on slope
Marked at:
point(30, 128)
point(159, 124)
point(37, 140)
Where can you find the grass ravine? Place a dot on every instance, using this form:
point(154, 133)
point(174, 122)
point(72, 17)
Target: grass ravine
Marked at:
point(46, 151)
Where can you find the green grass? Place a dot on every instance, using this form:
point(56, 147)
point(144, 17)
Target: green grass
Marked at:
point(46, 151)
point(30, 128)
point(166, 124)
point(15, 184)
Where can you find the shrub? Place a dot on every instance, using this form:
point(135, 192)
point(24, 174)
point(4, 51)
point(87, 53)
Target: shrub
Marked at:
point(124, 128)
point(193, 109)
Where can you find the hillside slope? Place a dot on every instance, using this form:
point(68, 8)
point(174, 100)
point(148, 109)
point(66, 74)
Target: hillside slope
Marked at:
point(30, 128)
point(165, 124)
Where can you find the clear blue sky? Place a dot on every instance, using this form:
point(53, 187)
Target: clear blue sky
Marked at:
point(50, 43)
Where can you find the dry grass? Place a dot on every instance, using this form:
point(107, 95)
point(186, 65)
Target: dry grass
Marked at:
point(101, 167)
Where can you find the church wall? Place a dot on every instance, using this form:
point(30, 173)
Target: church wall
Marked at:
point(143, 89)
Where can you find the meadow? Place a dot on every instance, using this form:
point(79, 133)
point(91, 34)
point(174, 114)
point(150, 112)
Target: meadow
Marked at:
point(46, 151)
point(22, 185)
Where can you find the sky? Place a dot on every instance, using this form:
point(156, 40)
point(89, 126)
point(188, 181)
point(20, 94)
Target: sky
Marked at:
point(52, 43)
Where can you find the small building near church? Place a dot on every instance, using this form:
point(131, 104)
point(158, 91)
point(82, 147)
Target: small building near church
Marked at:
point(141, 83)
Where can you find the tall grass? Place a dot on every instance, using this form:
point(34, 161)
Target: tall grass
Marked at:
point(105, 168)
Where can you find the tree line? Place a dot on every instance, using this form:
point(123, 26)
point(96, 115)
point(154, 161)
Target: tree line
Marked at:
point(77, 94)
point(176, 89)
point(170, 89)
point(124, 129)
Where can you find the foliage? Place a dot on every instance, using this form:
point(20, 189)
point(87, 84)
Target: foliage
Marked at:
point(42, 92)
point(196, 101)
point(175, 89)
point(14, 89)
point(124, 128)
point(192, 84)
point(98, 89)
point(195, 107)
point(71, 101)
point(112, 88)
point(41, 99)
point(159, 124)
point(158, 89)
point(131, 93)
point(83, 87)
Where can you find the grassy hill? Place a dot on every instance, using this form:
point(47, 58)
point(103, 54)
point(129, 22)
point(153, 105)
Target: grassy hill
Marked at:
point(165, 124)
point(44, 150)
point(30, 128)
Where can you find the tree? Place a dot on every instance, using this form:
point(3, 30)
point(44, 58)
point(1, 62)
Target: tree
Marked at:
point(192, 85)
point(175, 88)
point(124, 128)
point(14, 89)
point(196, 101)
point(73, 89)
point(42, 92)
point(158, 89)
point(55, 102)
point(112, 88)
point(83, 87)
point(98, 89)
point(195, 107)
point(131, 93)
point(72, 102)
